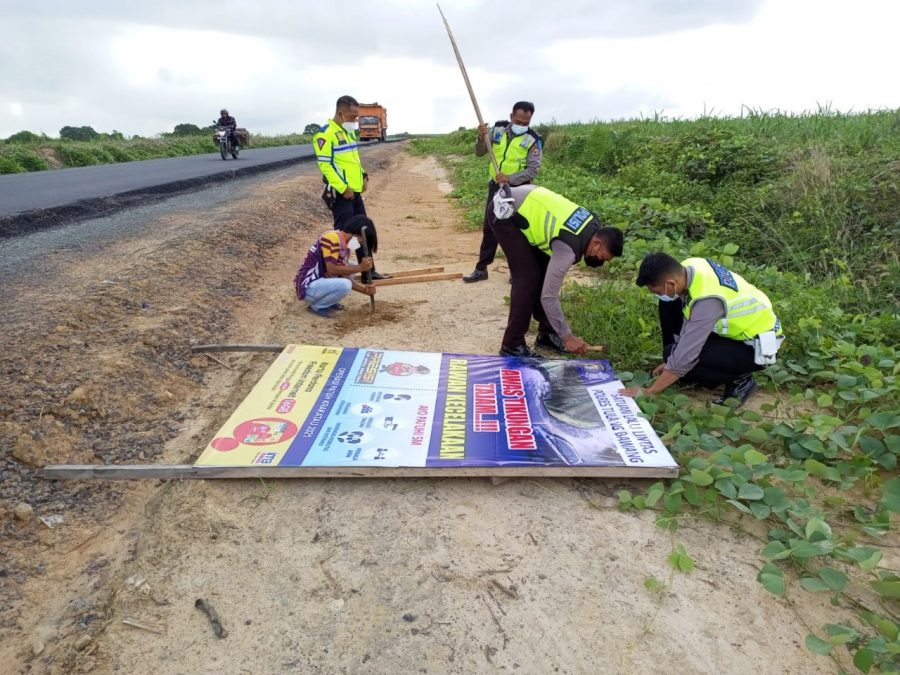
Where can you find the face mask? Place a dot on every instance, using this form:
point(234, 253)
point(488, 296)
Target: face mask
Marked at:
point(518, 129)
point(593, 261)
point(353, 244)
point(350, 126)
point(667, 298)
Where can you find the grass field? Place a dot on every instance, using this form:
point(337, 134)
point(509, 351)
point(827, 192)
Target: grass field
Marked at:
point(808, 209)
point(47, 153)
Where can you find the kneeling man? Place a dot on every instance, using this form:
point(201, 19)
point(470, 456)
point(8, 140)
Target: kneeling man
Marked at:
point(717, 328)
point(326, 275)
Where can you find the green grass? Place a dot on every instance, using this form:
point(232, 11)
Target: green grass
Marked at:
point(37, 153)
point(807, 208)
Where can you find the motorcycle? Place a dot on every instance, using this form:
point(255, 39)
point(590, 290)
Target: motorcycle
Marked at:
point(226, 147)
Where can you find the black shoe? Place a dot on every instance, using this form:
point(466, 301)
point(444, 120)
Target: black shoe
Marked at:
point(376, 276)
point(477, 275)
point(522, 351)
point(551, 341)
point(741, 389)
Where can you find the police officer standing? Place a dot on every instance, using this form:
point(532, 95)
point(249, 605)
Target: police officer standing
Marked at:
point(337, 150)
point(717, 328)
point(517, 149)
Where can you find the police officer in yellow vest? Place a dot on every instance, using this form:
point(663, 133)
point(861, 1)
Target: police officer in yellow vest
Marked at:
point(717, 328)
point(337, 151)
point(543, 234)
point(517, 148)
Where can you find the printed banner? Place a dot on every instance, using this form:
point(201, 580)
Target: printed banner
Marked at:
point(332, 407)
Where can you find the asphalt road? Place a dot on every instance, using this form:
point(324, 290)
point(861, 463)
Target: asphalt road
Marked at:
point(22, 192)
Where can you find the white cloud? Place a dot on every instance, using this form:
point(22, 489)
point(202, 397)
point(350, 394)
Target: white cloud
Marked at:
point(279, 65)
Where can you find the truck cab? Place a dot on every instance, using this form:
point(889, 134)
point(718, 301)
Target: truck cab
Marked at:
point(372, 122)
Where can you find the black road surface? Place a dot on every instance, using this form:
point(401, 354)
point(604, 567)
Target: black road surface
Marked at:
point(33, 201)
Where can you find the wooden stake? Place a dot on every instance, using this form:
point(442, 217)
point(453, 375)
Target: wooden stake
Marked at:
point(418, 279)
point(415, 273)
point(237, 348)
point(189, 471)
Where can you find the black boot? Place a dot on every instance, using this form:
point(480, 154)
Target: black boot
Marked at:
point(551, 341)
point(376, 275)
point(741, 389)
point(477, 275)
point(522, 351)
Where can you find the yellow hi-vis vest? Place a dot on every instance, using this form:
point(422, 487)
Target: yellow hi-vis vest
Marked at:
point(748, 311)
point(551, 216)
point(338, 155)
point(511, 153)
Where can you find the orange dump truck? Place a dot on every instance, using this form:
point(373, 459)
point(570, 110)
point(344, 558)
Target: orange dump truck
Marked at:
point(372, 122)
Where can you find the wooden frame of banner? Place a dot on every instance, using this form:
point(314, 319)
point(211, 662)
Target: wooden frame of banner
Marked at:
point(189, 471)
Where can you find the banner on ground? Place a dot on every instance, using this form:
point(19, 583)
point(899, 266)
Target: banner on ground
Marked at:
point(333, 407)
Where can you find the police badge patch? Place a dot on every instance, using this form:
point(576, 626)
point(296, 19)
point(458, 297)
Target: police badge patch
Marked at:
point(320, 142)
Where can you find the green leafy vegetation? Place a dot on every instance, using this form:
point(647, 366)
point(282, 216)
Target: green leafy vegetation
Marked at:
point(26, 151)
point(807, 208)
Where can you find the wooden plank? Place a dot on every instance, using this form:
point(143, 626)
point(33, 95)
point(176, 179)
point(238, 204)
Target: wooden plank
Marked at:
point(189, 471)
point(415, 280)
point(237, 348)
point(415, 273)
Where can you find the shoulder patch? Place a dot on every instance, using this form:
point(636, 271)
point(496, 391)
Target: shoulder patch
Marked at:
point(320, 142)
point(323, 127)
point(577, 220)
point(725, 277)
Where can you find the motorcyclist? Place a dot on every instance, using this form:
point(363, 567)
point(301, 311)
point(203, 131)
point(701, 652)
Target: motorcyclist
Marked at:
point(227, 121)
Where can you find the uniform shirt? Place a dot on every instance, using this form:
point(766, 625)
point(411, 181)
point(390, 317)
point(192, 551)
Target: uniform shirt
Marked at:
point(533, 162)
point(561, 259)
point(694, 331)
point(330, 247)
point(337, 152)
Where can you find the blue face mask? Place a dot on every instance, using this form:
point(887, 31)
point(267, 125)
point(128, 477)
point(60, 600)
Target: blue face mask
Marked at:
point(667, 298)
point(518, 129)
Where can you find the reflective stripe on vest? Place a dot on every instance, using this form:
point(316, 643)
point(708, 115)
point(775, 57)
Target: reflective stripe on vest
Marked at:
point(341, 152)
point(548, 215)
point(748, 311)
point(511, 153)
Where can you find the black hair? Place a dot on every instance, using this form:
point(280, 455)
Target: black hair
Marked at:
point(355, 226)
point(612, 237)
point(527, 106)
point(345, 102)
point(655, 267)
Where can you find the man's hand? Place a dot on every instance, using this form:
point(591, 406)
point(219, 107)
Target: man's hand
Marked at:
point(366, 264)
point(659, 369)
point(502, 178)
point(576, 345)
point(482, 131)
point(348, 193)
point(368, 289)
point(632, 392)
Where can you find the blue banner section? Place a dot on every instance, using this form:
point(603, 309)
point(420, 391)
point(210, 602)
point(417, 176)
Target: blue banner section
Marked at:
point(329, 396)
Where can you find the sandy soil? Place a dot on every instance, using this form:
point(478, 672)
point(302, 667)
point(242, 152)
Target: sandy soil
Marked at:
point(349, 576)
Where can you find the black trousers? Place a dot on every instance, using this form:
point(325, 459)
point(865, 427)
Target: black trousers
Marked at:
point(345, 209)
point(488, 249)
point(722, 360)
point(527, 269)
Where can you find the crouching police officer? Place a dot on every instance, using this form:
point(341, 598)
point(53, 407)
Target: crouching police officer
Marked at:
point(543, 234)
point(717, 328)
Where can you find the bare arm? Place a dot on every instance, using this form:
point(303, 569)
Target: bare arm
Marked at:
point(333, 269)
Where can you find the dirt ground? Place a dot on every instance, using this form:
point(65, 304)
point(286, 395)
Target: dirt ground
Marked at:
point(348, 576)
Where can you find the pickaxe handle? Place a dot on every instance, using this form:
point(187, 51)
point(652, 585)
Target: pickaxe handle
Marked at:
point(366, 277)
